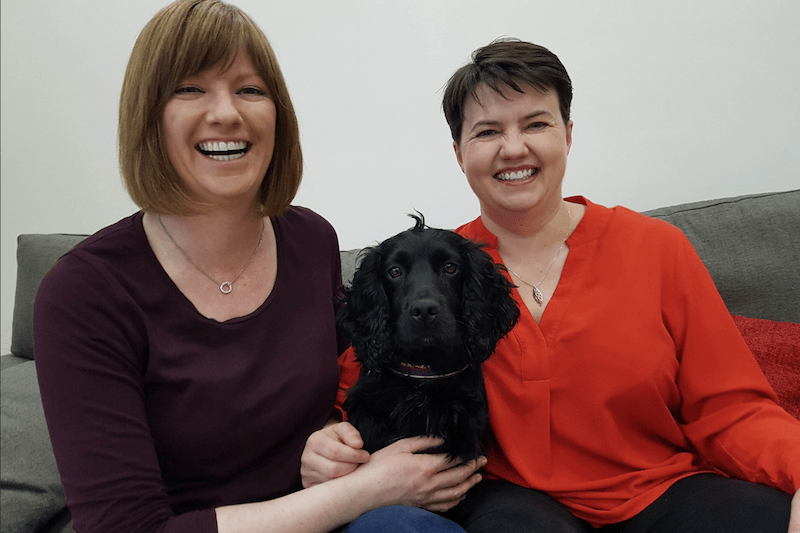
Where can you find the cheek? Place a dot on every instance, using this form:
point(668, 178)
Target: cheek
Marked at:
point(173, 133)
point(476, 160)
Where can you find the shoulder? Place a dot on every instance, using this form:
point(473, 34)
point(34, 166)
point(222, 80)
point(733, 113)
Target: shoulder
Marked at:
point(306, 239)
point(476, 231)
point(303, 223)
point(117, 243)
point(626, 224)
point(104, 264)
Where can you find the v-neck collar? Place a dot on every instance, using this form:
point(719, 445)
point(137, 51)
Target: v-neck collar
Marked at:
point(582, 243)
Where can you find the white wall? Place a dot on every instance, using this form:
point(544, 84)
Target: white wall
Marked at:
point(674, 101)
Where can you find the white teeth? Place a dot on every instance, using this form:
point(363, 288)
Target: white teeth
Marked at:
point(230, 157)
point(222, 146)
point(518, 175)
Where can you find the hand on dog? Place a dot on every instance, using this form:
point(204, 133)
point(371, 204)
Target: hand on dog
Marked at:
point(404, 474)
point(331, 452)
point(401, 474)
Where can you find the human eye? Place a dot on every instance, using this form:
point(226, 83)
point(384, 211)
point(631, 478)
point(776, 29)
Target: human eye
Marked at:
point(252, 90)
point(187, 90)
point(537, 125)
point(485, 133)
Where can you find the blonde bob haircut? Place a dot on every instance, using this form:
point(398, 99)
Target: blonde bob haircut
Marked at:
point(186, 38)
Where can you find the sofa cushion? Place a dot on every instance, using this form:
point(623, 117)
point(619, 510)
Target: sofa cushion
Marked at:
point(31, 493)
point(36, 254)
point(776, 347)
point(751, 246)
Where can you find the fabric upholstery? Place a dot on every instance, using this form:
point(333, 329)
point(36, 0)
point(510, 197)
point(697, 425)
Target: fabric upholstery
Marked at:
point(31, 488)
point(36, 254)
point(751, 247)
point(776, 347)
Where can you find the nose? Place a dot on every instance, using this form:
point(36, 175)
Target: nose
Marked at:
point(513, 147)
point(424, 310)
point(222, 110)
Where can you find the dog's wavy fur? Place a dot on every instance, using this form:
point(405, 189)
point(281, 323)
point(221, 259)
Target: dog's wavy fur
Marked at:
point(433, 299)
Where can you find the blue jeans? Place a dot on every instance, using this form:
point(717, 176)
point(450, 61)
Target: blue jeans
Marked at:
point(399, 519)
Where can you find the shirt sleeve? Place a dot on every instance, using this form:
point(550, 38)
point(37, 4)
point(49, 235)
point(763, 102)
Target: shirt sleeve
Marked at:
point(90, 360)
point(349, 370)
point(728, 409)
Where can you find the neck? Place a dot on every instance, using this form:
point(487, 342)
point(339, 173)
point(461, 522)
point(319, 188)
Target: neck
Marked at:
point(540, 229)
point(229, 235)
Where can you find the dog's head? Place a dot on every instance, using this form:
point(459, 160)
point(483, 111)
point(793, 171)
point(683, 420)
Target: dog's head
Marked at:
point(429, 297)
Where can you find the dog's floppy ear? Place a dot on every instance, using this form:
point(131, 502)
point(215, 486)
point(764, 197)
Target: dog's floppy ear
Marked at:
point(487, 308)
point(364, 319)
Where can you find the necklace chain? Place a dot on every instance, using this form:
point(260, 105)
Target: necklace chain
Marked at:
point(537, 293)
point(226, 287)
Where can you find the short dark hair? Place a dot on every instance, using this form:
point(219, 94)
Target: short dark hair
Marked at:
point(505, 63)
point(181, 40)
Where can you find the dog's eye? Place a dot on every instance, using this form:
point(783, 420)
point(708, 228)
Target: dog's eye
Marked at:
point(450, 268)
point(395, 272)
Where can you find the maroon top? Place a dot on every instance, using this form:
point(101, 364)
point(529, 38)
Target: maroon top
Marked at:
point(156, 411)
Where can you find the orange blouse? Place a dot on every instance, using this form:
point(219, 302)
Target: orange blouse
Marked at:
point(635, 378)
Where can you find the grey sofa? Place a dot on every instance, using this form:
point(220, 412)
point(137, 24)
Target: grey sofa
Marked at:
point(750, 244)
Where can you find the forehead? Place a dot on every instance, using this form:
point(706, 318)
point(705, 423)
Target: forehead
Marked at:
point(240, 65)
point(489, 104)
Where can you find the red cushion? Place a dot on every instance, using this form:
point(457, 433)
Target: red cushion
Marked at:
point(776, 347)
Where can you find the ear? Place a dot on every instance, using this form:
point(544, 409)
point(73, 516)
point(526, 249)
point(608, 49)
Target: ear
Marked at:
point(569, 136)
point(488, 309)
point(459, 156)
point(365, 320)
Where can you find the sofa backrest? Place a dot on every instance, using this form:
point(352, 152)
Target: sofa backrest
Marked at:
point(36, 255)
point(750, 245)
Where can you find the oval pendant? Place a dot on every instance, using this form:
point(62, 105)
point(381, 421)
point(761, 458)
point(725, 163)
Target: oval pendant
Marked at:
point(537, 295)
point(226, 287)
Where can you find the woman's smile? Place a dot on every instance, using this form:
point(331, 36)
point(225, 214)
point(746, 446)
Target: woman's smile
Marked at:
point(222, 150)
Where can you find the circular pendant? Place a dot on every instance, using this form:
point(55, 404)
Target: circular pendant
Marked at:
point(226, 287)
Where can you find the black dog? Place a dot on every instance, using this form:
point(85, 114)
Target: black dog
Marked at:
point(426, 309)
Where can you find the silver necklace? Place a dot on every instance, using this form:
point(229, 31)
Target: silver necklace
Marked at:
point(226, 286)
point(537, 294)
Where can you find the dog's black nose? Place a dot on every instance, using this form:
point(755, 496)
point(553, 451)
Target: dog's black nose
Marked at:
point(425, 310)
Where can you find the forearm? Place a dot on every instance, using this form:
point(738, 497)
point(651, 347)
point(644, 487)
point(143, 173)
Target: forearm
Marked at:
point(320, 508)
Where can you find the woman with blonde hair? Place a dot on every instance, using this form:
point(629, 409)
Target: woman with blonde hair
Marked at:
point(186, 353)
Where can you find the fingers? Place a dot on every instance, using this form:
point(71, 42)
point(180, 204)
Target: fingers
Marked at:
point(416, 444)
point(432, 481)
point(331, 452)
point(348, 435)
point(454, 483)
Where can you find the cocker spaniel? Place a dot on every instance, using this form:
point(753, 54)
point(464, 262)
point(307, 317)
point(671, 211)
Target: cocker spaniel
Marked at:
point(425, 310)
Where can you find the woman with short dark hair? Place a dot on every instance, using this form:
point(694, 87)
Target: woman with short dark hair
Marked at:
point(625, 398)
